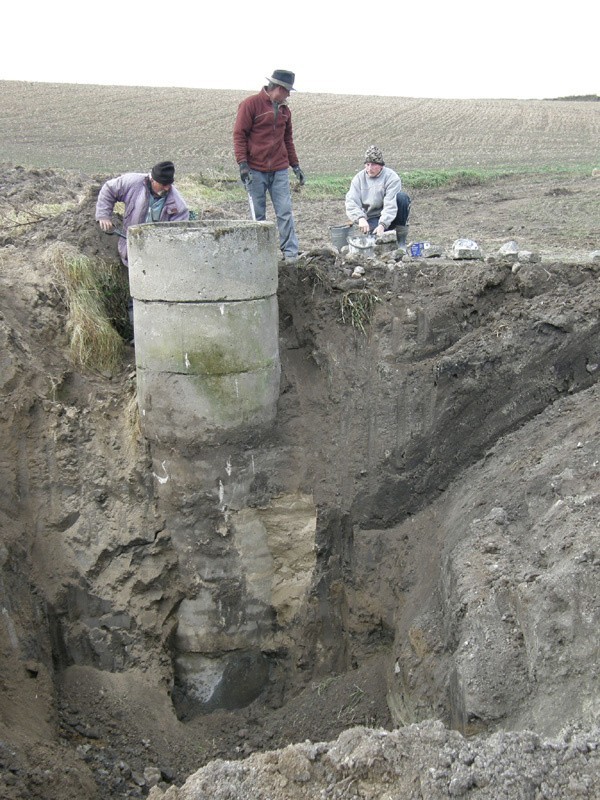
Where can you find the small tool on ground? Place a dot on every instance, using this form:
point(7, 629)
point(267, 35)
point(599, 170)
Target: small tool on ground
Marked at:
point(116, 232)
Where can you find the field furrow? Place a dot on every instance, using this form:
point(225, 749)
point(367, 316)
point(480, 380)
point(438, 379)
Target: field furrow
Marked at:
point(111, 129)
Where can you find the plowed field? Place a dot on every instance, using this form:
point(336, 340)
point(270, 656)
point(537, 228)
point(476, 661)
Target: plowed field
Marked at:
point(114, 129)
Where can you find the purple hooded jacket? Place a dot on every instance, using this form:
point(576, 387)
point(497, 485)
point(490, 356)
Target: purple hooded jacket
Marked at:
point(133, 189)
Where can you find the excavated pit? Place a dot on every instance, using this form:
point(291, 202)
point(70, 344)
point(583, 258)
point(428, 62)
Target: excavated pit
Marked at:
point(414, 537)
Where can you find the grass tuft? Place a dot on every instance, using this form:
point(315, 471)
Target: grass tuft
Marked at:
point(19, 220)
point(204, 193)
point(357, 307)
point(92, 289)
point(315, 273)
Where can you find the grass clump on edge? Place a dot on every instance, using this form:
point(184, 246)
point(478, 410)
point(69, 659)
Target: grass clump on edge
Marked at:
point(357, 308)
point(203, 192)
point(18, 220)
point(91, 289)
point(335, 187)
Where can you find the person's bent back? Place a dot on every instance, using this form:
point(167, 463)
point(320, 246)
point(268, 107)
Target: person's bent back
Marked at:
point(147, 196)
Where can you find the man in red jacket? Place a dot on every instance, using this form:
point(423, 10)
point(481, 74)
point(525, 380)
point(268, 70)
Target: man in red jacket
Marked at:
point(264, 150)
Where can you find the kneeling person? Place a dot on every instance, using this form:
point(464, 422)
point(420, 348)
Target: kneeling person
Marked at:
point(375, 201)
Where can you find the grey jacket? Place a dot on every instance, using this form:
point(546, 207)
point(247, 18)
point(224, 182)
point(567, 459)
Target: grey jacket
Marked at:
point(133, 189)
point(374, 197)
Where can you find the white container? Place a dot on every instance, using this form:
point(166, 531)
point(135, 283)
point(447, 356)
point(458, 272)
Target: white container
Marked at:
point(362, 245)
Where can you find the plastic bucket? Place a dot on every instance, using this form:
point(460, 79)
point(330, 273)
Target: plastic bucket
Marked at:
point(339, 235)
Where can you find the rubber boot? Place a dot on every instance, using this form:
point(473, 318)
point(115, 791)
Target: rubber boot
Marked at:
point(401, 234)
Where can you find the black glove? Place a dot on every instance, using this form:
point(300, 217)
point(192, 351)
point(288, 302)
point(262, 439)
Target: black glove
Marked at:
point(299, 174)
point(245, 173)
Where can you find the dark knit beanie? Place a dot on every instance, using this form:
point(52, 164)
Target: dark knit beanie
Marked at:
point(163, 173)
point(374, 155)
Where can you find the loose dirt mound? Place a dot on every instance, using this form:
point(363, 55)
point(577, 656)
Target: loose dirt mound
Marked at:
point(418, 761)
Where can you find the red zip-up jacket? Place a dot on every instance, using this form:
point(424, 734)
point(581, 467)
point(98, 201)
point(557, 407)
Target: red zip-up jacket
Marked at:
point(266, 143)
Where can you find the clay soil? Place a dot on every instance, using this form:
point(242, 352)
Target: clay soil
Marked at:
point(87, 733)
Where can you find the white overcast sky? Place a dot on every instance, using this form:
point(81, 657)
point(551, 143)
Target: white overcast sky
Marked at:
point(443, 48)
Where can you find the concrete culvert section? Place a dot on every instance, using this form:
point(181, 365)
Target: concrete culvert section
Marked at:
point(207, 362)
point(206, 326)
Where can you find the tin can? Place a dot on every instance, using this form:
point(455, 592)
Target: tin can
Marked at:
point(416, 248)
point(339, 235)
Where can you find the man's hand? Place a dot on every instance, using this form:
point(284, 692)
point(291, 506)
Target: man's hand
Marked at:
point(363, 225)
point(299, 174)
point(379, 230)
point(105, 225)
point(245, 173)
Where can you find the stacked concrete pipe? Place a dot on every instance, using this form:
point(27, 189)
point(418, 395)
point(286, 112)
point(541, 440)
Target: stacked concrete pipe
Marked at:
point(206, 327)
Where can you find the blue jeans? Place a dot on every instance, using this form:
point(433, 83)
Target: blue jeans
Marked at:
point(277, 184)
point(403, 203)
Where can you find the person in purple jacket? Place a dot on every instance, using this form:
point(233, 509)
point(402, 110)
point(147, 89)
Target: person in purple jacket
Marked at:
point(148, 197)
